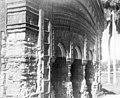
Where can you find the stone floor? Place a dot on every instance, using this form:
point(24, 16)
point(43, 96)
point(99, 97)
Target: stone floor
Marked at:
point(111, 96)
point(109, 91)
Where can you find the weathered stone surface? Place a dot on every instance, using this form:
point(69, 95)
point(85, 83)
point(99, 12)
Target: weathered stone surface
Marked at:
point(19, 64)
point(19, 51)
point(1, 92)
point(20, 75)
point(2, 15)
point(89, 76)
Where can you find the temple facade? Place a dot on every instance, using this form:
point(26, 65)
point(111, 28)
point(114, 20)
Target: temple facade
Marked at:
point(50, 48)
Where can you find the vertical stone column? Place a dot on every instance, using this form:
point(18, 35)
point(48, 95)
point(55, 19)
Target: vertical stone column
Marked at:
point(3, 66)
point(2, 46)
point(19, 60)
point(84, 62)
point(69, 61)
point(100, 57)
point(69, 82)
point(89, 76)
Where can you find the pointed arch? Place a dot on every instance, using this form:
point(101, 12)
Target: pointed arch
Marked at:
point(60, 51)
point(77, 53)
point(90, 55)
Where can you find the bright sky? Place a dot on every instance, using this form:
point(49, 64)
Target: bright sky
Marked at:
point(105, 44)
point(115, 45)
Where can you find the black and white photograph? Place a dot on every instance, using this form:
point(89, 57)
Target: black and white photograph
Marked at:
point(59, 49)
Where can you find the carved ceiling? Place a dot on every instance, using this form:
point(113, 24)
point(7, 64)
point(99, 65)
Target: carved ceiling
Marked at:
point(84, 15)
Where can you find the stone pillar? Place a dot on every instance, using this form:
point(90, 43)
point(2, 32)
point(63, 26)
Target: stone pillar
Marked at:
point(2, 67)
point(76, 77)
point(2, 47)
point(19, 60)
point(89, 76)
point(99, 64)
